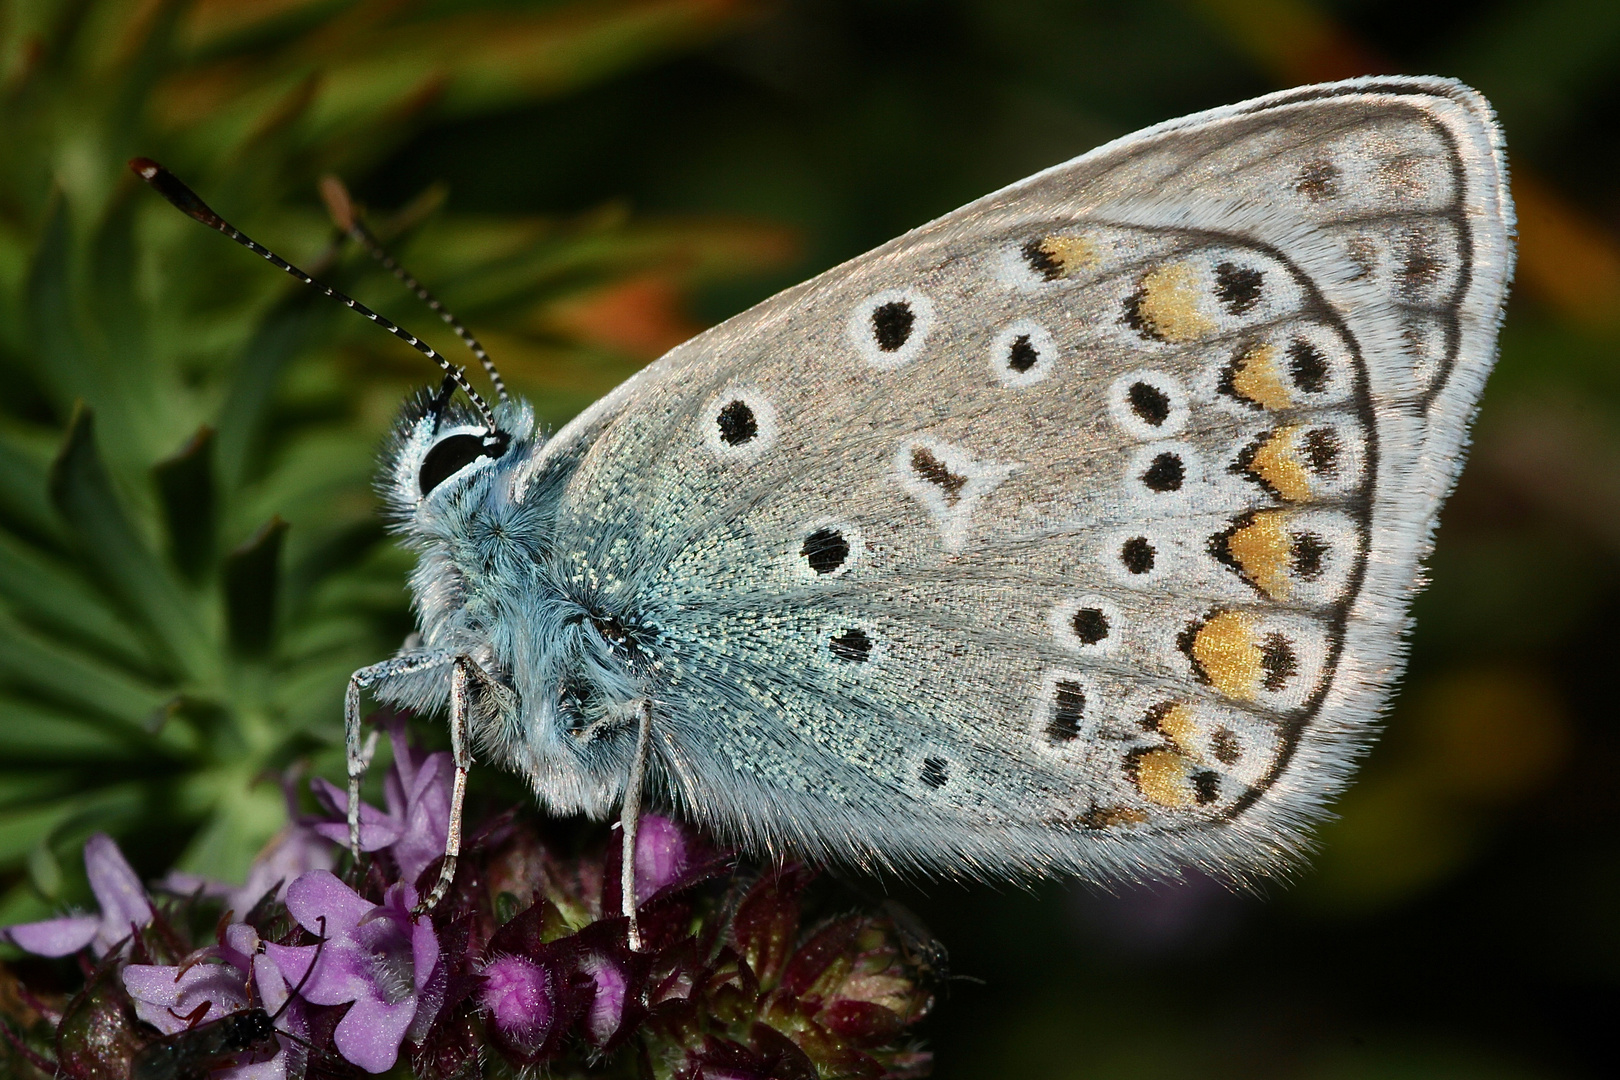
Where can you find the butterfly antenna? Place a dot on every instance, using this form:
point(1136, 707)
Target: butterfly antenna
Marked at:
point(320, 945)
point(187, 202)
point(342, 209)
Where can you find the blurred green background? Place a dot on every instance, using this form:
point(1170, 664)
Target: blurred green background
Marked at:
point(190, 564)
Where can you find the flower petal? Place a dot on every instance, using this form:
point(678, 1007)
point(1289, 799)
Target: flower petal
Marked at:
point(183, 884)
point(273, 987)
point(424, 950)
point(120, 893)
point(166, 996)
point(295, 851)
point(53, 937)
point(519, 996)
point(342, 974)
point(607, 1005)
point(662, 854)
point(377, 829)
point(273, 1069)
point(369, 1035)
point(319, 893)
point(405, 758)
point(156, 983)
point(427, 817)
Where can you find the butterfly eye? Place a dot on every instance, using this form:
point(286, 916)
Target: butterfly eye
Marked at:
point(449, 455)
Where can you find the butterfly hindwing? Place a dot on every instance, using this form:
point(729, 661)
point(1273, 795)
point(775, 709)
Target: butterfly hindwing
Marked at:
point(1077, 528)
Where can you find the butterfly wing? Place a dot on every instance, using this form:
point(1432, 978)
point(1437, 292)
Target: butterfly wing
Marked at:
point(1076, 529)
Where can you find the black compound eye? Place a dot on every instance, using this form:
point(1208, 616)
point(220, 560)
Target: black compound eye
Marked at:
point(448, 456)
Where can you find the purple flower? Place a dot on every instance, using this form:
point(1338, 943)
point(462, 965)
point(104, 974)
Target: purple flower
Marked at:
point(377, 956)
point(414, 827)
point(174, 997)
point(123, 902)
point(521, 999)
point(663, 854)
point(606, 1013)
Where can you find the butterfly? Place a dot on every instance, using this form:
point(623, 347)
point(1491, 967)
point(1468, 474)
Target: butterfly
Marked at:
point(1074, 532)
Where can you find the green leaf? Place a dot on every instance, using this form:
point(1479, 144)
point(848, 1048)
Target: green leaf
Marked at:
point(245, 816)
point(288, 329)
point(252, 577)
point(46, 593)
point(22, 829)
point(53, 318)
point(35, 786)
point(186, 496)
point(25, 486)
point(33, 732)
point(45, 871)
point(74, 679)
point(83, 494)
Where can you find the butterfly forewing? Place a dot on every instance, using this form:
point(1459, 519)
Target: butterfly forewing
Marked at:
point(1076, 528)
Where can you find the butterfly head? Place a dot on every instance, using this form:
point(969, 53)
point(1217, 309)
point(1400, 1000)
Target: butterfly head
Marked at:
point(442, 450)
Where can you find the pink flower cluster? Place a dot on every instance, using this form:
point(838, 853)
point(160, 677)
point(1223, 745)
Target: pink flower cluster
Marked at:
point(526, 959)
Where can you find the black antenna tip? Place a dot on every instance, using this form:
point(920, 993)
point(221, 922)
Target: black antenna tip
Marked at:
point(168, 185)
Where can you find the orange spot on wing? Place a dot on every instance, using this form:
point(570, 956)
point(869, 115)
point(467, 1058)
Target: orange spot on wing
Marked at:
point(1225, 651)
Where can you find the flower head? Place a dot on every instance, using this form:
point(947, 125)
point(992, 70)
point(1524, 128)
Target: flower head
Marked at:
point(524, 962)
point(124, 909)
point(215, 982)
point(663, 854)
point(378, 956)
point(417, 792)
point(521, 998)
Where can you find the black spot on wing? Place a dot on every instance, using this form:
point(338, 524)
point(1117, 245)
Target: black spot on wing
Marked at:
point(1137, 555)
point(1238, 287)
point(1165, 474)
point(1278, 660)
point(936, 472)
point(1090, 625)
point(1132, 316)
point(1021, 354)
point(1150, 404)
point(1318, 181)
point(737, 423)
point(892, 324)
point(1068, 709)
point(852, 645)
point(1322, 451)
point(1305, 555)
point(825, 550)
point(1042, 261)
point(1307, 366)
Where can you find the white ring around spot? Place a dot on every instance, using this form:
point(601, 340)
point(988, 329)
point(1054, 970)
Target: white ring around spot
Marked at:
point(765, 421)
point(852, 536)
point(1038, 339)
point(864, 338)
point(1062, 621)
point(1122, 409)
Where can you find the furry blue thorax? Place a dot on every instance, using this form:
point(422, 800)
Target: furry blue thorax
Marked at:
point(491, 584)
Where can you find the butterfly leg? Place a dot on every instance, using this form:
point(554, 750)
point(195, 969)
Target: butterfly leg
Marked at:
point(466, 670)
point(359, 756)
point(630, 824)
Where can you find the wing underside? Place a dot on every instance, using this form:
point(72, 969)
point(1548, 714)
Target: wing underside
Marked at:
point(1077, 528)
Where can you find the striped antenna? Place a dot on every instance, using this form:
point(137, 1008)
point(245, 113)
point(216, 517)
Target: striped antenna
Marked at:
point(342, 209)
point(186, 201)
